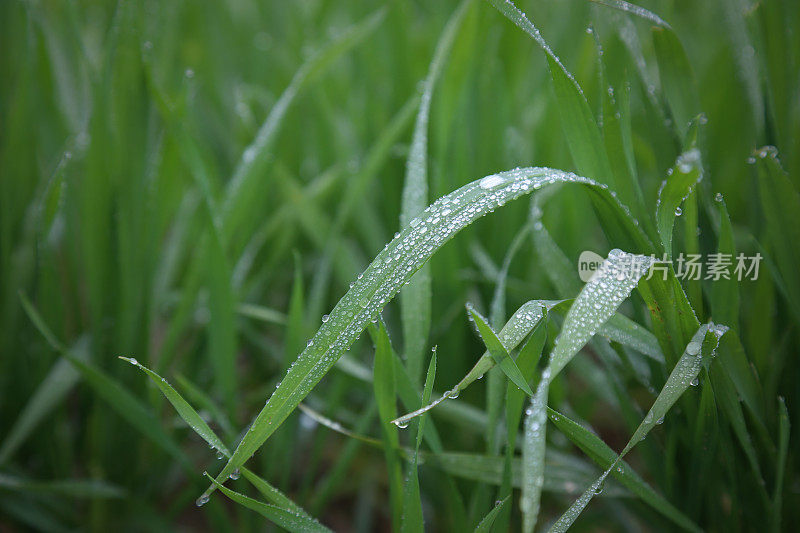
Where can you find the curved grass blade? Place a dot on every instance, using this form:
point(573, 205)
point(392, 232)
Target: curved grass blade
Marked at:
point(563, 473)
point(527, 360)
point(384, 277)
point(333, 425)
point(184, 410)
point(286, 519)
point(635, 10)
point(597, 302)
point(196, 422)
point(415, 298)
point(604, 456)
point(513, 333)
point(698, 351)
point(677, 78)
point(498, 351)
point(583, 135)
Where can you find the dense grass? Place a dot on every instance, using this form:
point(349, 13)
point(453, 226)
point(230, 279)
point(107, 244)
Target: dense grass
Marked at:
point(230, 195)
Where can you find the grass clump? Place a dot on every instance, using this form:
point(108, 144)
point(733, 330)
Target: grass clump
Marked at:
point(232, 196)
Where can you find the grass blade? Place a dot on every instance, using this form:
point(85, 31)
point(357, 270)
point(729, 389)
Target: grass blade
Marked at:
point(415, 299)
point(383, 384)
point(392, 268)
point(74, 488)
point(182, 407)
point(699, 351)
point(290, 521)
point(783, 450)
point(485, 525)
point(413, 520)
point(686, 173)
point(596, 303)
point(604, 456)
point(498, 352)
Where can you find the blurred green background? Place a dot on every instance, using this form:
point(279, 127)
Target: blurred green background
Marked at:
point(122, 128)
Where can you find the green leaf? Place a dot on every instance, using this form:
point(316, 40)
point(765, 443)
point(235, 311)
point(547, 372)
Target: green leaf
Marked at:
point(780, 206)
point(241, 190)
point(604, 456)
point(725, 292)
point(580, 129)
point(413, 520)
point(383, 384)
point(674, 190)
point(783, 451)
point(48, 396)
point(597, 302)
point(700, 350)
point(676, 77)
point(286, 519)
point(182, 407)
point(393, 266)
point(498, 352)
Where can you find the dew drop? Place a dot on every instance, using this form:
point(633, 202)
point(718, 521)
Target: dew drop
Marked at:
point(402, 424)
point(202, 500)
point(693, 348)
point(599, 488)
point(235, 474)
point(695, 382)
point(678, 211)
point(134, 362)
point(491, 181)
point(718, 197)
point(325, 318)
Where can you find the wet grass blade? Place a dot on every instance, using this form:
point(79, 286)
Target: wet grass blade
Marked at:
point(182, 407)
point(388, 272)
point(700, 350)
point(498, 351)
point(580, 129)
point(286, 519)
point(679, 184)
point(597, 302)
point(604, 456)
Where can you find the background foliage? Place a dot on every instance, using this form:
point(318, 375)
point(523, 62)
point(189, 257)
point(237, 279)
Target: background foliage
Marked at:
point(196, 184)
